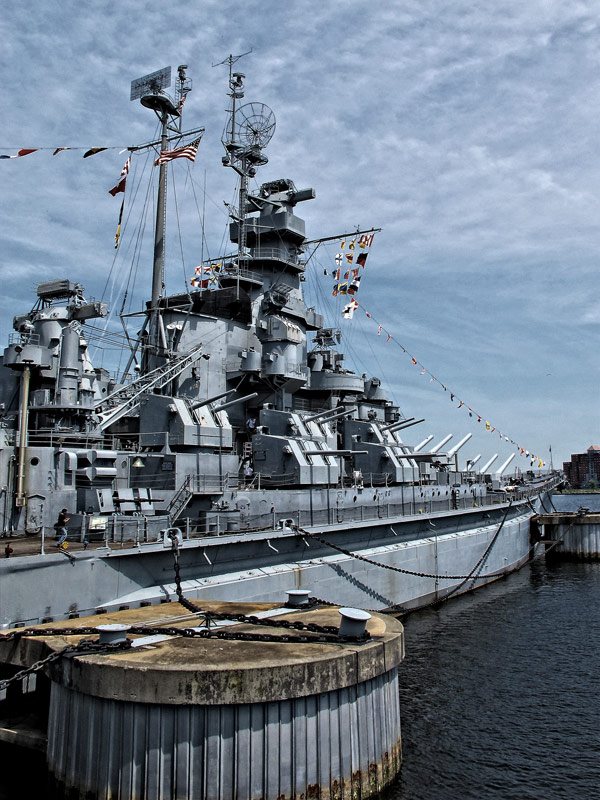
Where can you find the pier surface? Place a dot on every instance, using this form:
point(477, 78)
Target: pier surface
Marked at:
point(178, 670)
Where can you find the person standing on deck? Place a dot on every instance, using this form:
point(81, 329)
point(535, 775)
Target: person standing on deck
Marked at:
point(61, 527)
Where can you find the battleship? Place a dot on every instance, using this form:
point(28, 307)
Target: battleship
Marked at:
point(235, 435)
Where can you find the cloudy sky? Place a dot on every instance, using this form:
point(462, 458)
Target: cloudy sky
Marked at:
point(466, 131)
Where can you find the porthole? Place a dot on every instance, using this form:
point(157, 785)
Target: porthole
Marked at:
point(34, 461)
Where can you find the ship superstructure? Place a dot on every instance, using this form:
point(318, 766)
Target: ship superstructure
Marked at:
point(241, 416)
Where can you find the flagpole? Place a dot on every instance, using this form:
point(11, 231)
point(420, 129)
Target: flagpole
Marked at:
point(242, 222)
point(159, 230)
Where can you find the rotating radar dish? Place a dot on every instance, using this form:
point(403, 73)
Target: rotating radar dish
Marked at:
point(254, 125)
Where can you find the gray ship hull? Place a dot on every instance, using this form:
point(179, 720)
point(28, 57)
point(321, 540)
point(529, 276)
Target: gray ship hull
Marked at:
point(264, 565)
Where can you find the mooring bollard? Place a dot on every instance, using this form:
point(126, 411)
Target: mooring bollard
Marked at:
point(111, 633)
point(297, 597)
point(354, 621)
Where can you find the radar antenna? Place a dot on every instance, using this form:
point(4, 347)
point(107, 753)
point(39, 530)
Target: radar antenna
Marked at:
point(255, 125)
point(153, 83)
point(248, 130)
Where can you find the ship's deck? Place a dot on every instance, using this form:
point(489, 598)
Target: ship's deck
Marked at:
point(32, 546)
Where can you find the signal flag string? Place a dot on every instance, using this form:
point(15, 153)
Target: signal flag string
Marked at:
point(184, 151)
point(89, 151)
point(345, 288)
point(453, 396)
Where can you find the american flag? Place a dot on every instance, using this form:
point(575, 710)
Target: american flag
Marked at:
point(187, 151)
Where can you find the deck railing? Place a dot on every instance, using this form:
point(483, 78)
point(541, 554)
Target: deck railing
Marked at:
point(139, 530)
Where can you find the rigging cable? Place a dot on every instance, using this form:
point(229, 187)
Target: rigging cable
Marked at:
point(130, 207)
point(185, 288)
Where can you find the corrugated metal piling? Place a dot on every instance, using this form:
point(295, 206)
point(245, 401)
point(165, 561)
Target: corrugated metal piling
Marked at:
point(575, 534)
point(184, 717)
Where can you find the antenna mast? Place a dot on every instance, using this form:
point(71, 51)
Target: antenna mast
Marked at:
point(149, 89)
point(248, 130)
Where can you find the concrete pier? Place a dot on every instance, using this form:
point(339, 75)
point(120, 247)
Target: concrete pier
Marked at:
point(572, 534)
point(217, 719)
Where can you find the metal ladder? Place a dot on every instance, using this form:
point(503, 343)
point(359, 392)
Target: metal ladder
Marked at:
point(180, 499)
point(127, 398)
point(247, 451)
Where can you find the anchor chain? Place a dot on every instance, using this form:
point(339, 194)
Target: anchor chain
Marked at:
point(39, 665)
point(326, 632)
point(321, 636)
point(367, 560)
point(398, 609)
point(19, 633)
point(85, 647)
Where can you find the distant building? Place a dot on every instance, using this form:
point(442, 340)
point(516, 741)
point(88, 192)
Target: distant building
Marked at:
point(583, 470)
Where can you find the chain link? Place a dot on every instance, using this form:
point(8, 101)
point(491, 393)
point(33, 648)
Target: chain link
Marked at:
point(367, 560)
point(327, 632)
point(85, 647)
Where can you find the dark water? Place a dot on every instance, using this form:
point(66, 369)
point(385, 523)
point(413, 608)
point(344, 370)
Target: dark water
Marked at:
point(500, 691)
